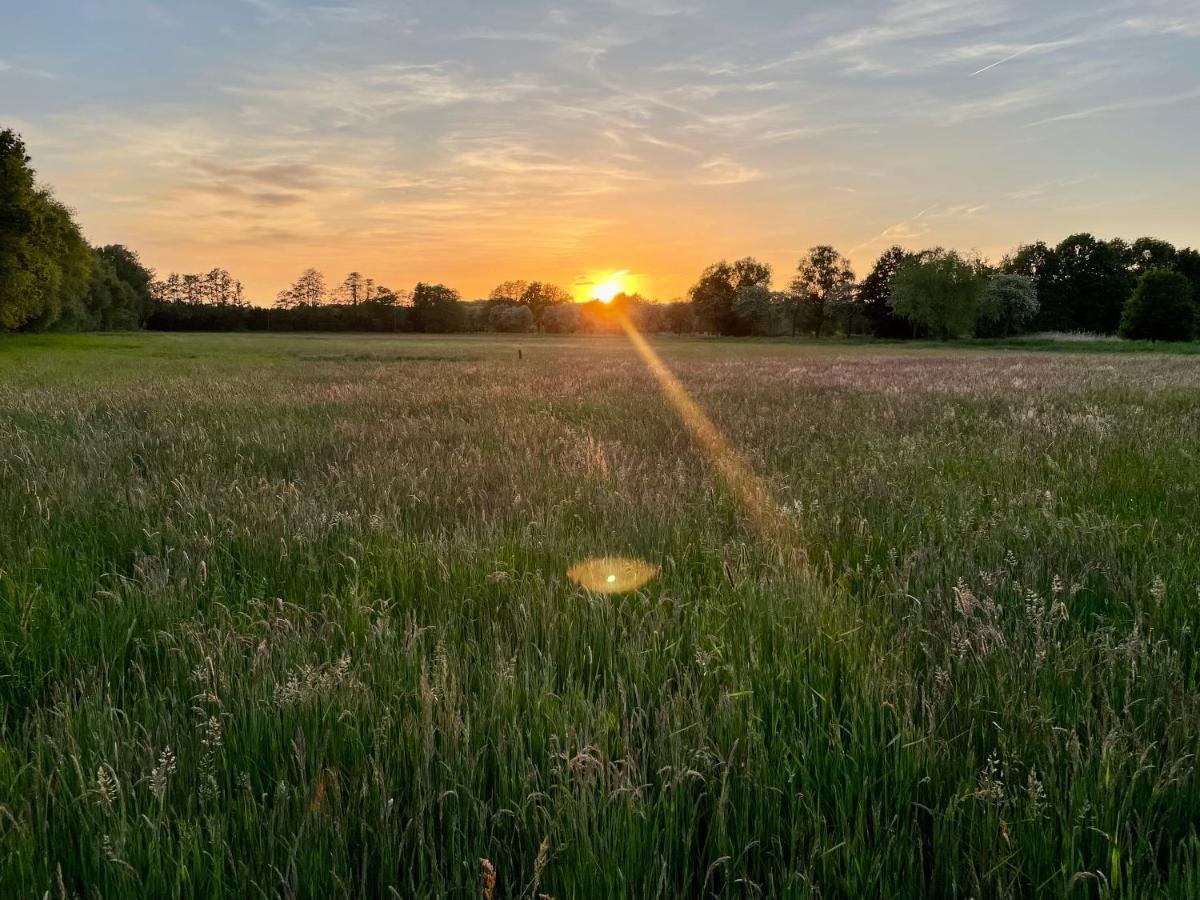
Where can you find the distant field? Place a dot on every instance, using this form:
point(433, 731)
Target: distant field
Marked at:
point(289, 616)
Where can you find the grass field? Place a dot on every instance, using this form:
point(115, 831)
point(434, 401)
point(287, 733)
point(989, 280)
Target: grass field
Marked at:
point(289, 616)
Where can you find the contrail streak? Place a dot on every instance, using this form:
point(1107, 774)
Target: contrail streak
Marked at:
point(1008, 58)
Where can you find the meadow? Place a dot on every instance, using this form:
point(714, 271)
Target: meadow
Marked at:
point(289, 616)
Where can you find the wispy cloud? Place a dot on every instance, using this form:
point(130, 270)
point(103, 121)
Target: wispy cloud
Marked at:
point(723, 170)
point(1165, 25)
point(1130, 105)
point(24, 71)
point(367, 94)
point(544, 137)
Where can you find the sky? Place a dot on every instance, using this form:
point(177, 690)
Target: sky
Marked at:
point(474, 142)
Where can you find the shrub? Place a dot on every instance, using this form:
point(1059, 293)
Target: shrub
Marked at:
point(563, 319)
point(1161, 308)
point(511, 319)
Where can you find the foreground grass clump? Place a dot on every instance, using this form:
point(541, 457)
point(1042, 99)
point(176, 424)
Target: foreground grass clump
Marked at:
point(286, 616)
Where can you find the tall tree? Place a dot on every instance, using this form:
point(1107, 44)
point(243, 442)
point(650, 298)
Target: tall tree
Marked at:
point(1147, 253)
point(875, 295)
point(112, 303)
point(540, 296)
point(714, 296)
point(18, 301)
point(436, 309)
point(1187, 263)
point(823, 278)
point(45, 264)
point(128, 267)
point(1162, 307)
point(308, 290)
point(760, 311)
point(1007, 307)
point(1040, 264)
point(353, 290)
point(61, 263)
point(1093, 283)
point(509, 292)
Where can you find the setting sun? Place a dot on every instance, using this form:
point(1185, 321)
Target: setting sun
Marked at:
point(609, 287)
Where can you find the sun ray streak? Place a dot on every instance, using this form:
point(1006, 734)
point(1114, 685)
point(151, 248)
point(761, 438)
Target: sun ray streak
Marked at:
point(752, 493)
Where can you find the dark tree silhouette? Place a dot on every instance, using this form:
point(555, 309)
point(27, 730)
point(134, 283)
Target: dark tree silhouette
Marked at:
point(823, 278)
point(714, 296)
point(875, 295)
point(1147, 254)
point(436, 309)
point(308, 290)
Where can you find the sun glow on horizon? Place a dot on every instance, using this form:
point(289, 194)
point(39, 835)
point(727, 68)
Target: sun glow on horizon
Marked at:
point(607, 287)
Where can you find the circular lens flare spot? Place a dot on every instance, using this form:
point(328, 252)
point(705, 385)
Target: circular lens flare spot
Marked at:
point(612, 575)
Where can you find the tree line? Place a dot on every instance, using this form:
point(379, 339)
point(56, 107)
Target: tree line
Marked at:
point(1146, 289)
point(50, 277)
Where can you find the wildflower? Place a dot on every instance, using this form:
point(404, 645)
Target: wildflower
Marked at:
point(1035, 791)
point(162, 772)
point(212, 733)
point(539, 864)
point(1158, 589)
point(991, 782)
point(489, 879)
point(107, 786)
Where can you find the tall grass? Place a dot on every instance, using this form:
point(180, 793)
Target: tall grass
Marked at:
point(290, 617)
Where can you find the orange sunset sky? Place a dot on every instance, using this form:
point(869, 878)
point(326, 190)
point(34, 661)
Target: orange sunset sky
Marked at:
point(471, 143)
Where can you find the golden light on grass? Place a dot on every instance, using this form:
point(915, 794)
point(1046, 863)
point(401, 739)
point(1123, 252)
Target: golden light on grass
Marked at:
point(613, 575)
point(752, 492)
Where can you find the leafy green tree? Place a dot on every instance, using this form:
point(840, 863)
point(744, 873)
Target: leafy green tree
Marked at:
point(1161, 308)
point(436, 309)
point(823, 279)
point(61, 263)
point(112, 303)
point(938, 292)
point(18, 300)
point(539, 296)
point(128, 268)
point(757, 310)
point(1007, 306)
point(46, 266)
point(1082, 284)
point(1039, 263)
point(875, 296)
point(679, 317)
point(714, 296)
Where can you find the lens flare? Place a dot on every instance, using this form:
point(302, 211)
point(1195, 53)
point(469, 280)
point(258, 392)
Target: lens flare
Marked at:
point(613, 575)
point(753, 494)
